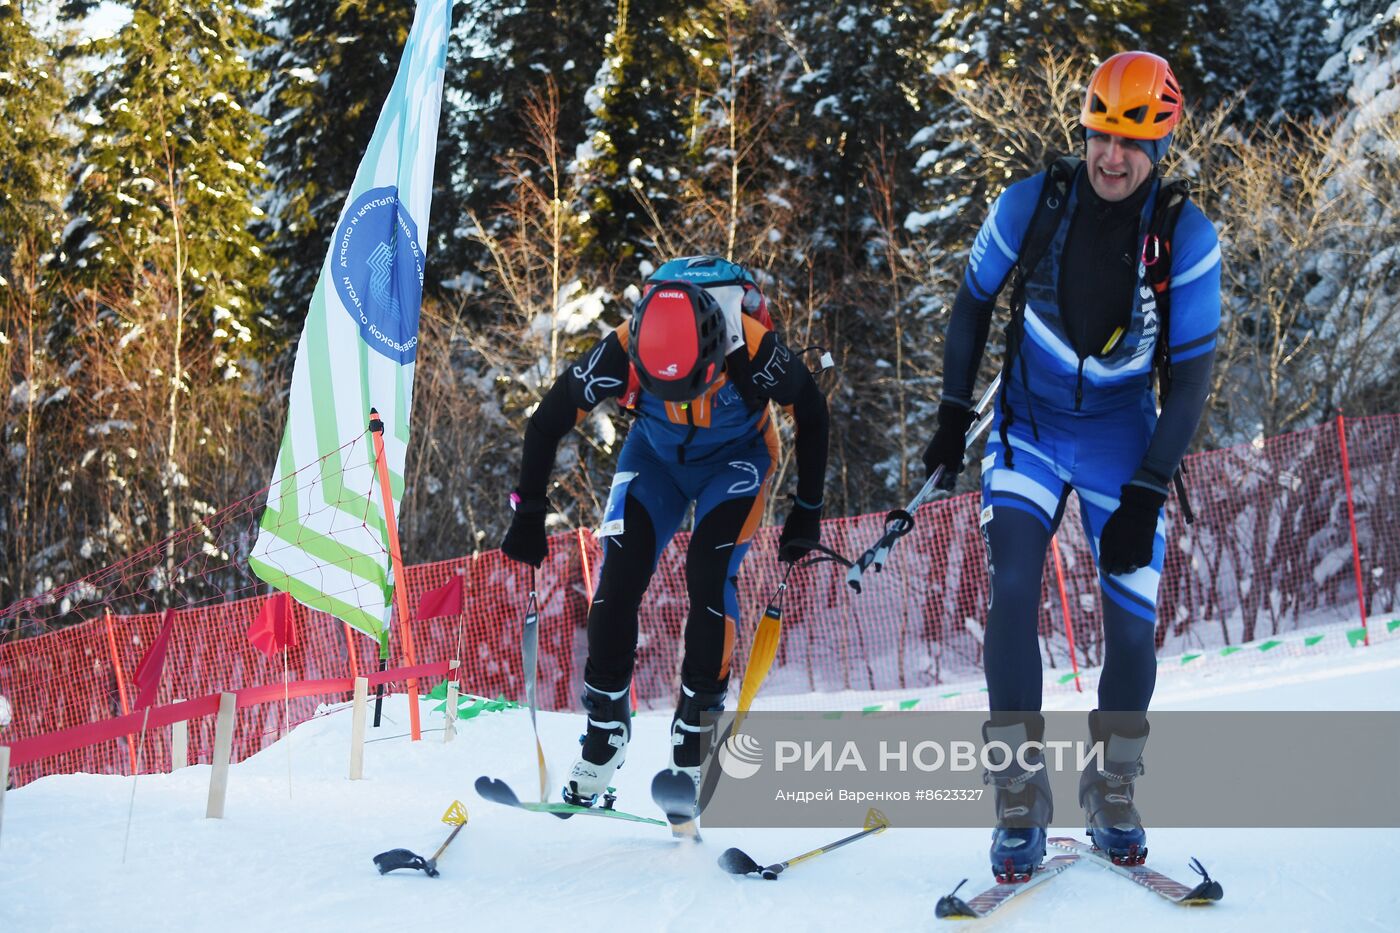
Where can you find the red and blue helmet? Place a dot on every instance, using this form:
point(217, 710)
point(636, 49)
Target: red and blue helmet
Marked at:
point(676, 340)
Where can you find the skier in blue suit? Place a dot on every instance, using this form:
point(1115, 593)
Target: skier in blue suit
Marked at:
point(1077, 411)
point(698, 363)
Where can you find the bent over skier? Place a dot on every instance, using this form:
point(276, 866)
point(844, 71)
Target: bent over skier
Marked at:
point(1111, 287)
point(699, 378)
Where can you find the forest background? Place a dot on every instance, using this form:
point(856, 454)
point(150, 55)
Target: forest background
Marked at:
point(168, 185)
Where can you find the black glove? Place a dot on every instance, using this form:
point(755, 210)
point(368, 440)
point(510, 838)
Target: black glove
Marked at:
point(949, 443)
point(803, 525)
point(525, 541)
point(1126, 542)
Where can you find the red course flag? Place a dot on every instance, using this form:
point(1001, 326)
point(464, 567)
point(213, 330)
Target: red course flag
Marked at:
point(273, 629)
point(148, 672)
point(446, 600)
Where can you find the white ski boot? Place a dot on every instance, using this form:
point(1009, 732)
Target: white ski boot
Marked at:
point(604, 745)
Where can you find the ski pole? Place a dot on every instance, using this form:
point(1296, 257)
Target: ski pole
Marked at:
point(769, 631)
point(900, 522)
point(736, 862)
point(529, 658)
point(763, 651)
point(456, 817)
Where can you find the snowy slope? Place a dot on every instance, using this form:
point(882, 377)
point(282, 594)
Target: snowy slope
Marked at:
point(301, 859)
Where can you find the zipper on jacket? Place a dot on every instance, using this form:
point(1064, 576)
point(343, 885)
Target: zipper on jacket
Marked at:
point(690, 435)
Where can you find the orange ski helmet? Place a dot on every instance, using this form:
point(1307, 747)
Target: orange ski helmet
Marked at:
point(1132, 94)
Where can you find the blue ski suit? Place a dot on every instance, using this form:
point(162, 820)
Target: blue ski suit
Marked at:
point(717, 451)
point(1083, 415)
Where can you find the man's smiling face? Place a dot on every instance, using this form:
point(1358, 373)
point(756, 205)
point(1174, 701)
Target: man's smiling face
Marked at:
point(1116, 166)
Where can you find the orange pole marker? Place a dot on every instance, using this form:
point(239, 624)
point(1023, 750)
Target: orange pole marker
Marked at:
point(396, 562)
point(1064, 605)
point(121, 678)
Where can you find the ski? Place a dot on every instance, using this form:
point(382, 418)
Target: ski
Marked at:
point(674, 792)
point(952, 907)
point(1208, 891)
point(498, 791)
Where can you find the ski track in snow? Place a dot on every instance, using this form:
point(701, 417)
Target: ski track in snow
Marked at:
point(300, 859)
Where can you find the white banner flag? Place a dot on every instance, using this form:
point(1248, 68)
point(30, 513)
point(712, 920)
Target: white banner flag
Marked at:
point(323, 538)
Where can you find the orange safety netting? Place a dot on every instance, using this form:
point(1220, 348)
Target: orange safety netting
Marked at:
point(1271, 552)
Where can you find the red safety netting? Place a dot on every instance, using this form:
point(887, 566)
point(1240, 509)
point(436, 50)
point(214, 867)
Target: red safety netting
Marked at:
point(1271, 552)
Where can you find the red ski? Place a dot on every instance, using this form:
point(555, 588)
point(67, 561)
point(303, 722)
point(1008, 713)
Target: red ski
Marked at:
point(1208, 891)
point(952, 907)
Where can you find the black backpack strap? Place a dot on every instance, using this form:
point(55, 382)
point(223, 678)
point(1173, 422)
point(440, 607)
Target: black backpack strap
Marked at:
point(1054, 194)
point(1045, 220)
point(1157, 255)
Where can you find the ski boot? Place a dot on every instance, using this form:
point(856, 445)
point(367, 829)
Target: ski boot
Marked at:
point(1106, 793)
point(1023, 802)
point(693, 731)
point(604, 746)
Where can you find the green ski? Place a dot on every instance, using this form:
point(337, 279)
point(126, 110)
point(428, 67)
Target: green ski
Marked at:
point(498, 791)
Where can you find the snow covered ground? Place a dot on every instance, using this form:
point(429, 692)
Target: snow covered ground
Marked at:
point(300, 859)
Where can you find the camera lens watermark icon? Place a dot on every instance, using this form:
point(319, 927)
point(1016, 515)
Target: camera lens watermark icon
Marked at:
point(741, 756)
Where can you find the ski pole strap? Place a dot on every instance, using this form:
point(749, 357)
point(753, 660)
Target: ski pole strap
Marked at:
point(824, 553)
point(898, 523)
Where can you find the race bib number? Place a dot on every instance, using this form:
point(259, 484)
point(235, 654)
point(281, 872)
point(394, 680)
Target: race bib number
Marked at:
point(617, 497)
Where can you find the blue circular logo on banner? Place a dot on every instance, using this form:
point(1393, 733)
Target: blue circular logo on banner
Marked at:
point(377, 267)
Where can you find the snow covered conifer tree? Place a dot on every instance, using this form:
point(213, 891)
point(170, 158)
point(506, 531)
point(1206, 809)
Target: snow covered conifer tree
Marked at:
point(166, 274)
point(329, 67)
point(32, 98)
point(640, 133)
point(1271, 52)
point(502, 53)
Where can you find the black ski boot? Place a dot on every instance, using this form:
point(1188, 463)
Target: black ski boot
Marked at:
point(604, 745)
point(1106, 793)
point(694, 729)
point(1023, 802)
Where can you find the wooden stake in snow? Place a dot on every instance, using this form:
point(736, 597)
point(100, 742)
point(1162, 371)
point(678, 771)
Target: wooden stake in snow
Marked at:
point(357, 729)
point(4, 780)
point(179, 743)
point(223, 754)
